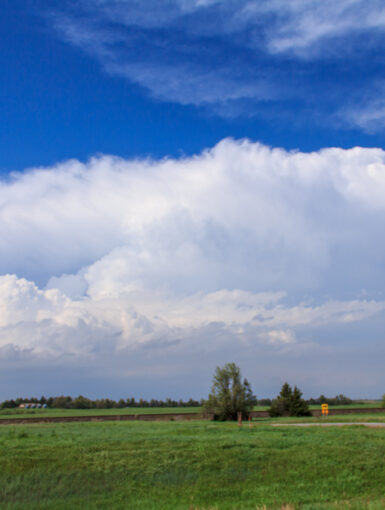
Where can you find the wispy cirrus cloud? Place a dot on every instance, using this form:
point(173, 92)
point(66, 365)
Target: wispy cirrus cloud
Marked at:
point(236, 57)
point(308, 27)
point(282, 26)
point(367, 110)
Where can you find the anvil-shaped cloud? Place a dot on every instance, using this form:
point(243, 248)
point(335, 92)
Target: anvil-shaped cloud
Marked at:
point(240, 251)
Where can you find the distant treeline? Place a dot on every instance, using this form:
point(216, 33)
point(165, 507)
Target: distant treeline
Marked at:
point(338, 400)
point(81, 402)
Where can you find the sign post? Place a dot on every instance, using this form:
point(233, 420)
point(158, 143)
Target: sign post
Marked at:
point(325, 409)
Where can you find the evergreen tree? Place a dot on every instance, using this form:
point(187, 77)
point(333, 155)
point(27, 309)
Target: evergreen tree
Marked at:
point(298, 406)
point(289, 402)
point(281, 405)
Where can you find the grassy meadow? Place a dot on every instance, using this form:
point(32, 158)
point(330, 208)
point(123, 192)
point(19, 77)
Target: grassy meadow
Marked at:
point(26, 413)
point(35, 413)
point(191, 466)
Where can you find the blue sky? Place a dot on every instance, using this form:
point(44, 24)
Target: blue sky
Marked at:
point(119, 77)
point(190, 182)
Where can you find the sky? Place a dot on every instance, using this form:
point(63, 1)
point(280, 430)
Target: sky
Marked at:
point(185, 183)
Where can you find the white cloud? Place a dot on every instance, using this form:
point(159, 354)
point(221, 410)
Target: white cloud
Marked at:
point(241, 246)
point(277, 336)
point(47, 323)
point(240, 213)
point(22, 301)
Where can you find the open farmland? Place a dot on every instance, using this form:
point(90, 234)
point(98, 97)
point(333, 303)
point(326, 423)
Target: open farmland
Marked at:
point(55, 413)
point(46, 413)
point(194, 465)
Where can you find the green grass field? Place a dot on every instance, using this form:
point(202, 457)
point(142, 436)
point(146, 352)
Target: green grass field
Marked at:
point(191, 466)
point(25, 413)
point(338, 418)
